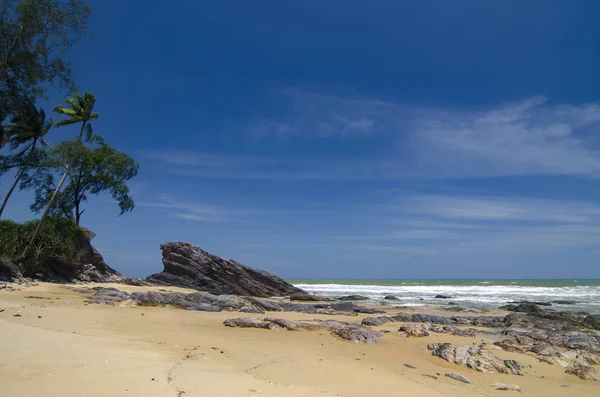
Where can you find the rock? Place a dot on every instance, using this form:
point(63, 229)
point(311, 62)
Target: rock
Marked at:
point(366, 310)
point(415, 330)
point(528, 307)
point(410, 366)
point(138, 282)
point(442, 297)
point(108, 296)
point(475, 357)
point(402, 318)
point(355, 333)
point(332, 312)
point(252, 310)
point(592, 321)
point(204, 308)
point(530, 302)
point(573, 340)
point(305, 296)
point(353, 298)
point(480, 321)
point(547, 321)
point(390, 298)
point(459, 378)
point(292, 325)
point(88, 266)
point(506, 386)
point(186, 265)
point(426, 318)
point(246, 322)
point(583, 371)
point(376, 321)
point(564, 302)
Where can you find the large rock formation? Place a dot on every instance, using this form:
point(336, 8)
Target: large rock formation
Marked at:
point(186, 265)
point(89, 266)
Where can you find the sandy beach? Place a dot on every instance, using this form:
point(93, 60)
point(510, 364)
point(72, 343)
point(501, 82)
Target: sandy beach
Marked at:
point(54, 343)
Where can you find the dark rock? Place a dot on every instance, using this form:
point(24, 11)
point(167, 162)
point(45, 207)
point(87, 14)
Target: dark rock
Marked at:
point(592, 321)
point(186, 265)
point(333, 312)
point(138, 282)
point(530, 302)
point(376, 321)
point(353, 298)
point(564, 302)
point(549, 321)
point(204, 308)
point(459, 378)
point(442, 297)
point(452, 304)
point(108, 296)
point(355, 333)
point(305, 296)
point(301, 308)
point(476, 357)
point(523, 308)
point(390, 298)
point(410, 366)
point(342, 306)
point(252, 310)
point(366, 310)
point(402, 318)
point(482, 321)
point(426, 318)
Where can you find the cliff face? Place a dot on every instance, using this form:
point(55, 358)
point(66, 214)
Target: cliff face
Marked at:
point(186, 265)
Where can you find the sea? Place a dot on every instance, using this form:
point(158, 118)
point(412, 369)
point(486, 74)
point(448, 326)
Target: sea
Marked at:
point(468, 294)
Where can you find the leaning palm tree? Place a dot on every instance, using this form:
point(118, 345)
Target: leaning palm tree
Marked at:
point(80, 109)
point(28, 128)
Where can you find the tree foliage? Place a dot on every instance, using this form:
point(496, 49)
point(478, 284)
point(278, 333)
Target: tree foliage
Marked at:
point(34, 36)
point(98, 169)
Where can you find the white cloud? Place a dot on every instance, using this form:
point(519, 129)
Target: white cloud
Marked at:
point(529, 137)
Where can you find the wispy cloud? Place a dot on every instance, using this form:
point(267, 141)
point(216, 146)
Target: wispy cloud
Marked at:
point(464, 224)
point(199, 211)
point(528, 137)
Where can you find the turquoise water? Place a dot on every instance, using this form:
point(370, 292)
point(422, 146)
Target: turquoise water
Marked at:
point(470, 294)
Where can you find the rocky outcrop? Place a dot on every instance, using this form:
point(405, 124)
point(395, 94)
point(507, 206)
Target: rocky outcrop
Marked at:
point(306, 297)
point(348, 331)
point(186, 265)
point(353, 298)
point(583, 370)
point(414, 330)
point(87, 266)
point(592, 321)
point(476, 357)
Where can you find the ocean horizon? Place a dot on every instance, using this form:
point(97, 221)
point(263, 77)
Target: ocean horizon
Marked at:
point(575, 295)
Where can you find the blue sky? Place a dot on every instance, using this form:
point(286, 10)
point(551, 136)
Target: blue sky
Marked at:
point(351, 139)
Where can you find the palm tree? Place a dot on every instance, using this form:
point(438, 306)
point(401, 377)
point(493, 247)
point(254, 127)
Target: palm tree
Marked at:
point(28, 127)
point(80, 109)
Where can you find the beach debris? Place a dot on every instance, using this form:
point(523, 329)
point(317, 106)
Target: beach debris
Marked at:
point(506, 386)
point(410, 366)
point(430, 376)
point(476, 357)
point(459, 378)
point(17, 315)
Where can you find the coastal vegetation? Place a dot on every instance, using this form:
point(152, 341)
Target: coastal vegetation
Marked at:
point(61, 174)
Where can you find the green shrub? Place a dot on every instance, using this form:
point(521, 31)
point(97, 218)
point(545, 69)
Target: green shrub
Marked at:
point(59, 238)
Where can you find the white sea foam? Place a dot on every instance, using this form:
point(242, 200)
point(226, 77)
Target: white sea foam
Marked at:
point(469, 296)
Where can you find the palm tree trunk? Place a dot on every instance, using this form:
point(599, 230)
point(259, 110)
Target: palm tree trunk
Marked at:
point(18, 178)
point(55, 194)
